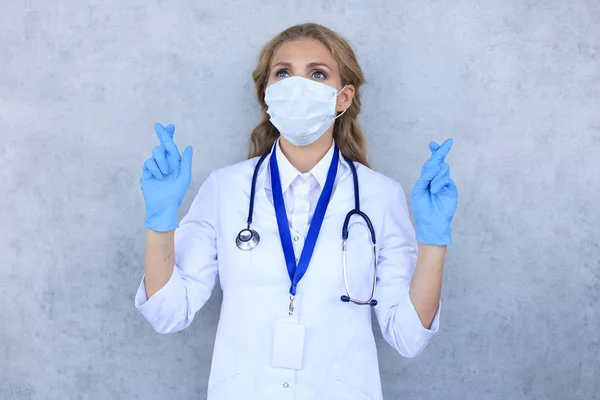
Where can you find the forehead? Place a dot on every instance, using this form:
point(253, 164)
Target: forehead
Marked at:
point(303, 51)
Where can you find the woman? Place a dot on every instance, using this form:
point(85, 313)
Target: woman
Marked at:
point(296, 316)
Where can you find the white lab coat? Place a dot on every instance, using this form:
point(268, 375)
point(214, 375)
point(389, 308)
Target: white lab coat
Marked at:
point(340, 356)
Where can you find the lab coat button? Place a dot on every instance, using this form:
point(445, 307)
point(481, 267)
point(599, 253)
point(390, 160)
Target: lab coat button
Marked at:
point(286, 385)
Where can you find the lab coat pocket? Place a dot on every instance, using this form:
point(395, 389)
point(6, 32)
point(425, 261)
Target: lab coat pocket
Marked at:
point(225, 389)
point(238, 387)
point(347, 391)
point(357, 372)
point(226, 378)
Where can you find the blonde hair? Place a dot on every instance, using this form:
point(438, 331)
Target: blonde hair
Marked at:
point(347, 132)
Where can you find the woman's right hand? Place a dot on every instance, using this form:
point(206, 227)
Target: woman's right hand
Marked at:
point(166, 177)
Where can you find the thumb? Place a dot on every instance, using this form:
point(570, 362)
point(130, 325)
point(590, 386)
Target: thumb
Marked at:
point(185, 168)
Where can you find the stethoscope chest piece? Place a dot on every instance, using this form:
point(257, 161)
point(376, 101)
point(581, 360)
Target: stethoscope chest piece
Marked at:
point(247, 239)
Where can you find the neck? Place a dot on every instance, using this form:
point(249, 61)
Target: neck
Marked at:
point(304, 158)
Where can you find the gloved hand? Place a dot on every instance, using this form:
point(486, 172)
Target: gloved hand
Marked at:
point(166, 177)
point(434, 198)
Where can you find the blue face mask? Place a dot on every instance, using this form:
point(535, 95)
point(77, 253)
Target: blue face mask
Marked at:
point(301, 109)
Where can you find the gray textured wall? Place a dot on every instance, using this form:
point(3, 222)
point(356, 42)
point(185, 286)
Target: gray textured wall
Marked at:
point(516, 83)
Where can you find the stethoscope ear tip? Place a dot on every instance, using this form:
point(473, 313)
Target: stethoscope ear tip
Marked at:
point(346, 299)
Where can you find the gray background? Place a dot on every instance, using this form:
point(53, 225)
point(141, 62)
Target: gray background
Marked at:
point(515, 83)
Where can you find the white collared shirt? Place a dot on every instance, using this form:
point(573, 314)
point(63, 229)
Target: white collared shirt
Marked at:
point(340, 355)
point(301, 191)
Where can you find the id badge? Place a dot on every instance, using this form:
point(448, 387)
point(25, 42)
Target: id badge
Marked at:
point(288, 344)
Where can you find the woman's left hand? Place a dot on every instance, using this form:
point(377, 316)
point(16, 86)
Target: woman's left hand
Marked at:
point(434, 198)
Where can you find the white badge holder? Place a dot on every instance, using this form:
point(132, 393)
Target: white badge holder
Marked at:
point(288, 343)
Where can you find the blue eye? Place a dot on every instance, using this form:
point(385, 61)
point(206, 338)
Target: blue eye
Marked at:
point(319, 75)
point(282, 74)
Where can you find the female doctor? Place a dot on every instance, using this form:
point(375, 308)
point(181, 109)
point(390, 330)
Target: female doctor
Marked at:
point(304, 237)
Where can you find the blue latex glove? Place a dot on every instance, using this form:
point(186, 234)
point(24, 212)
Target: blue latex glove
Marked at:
point(434, 198)
point(166, 177)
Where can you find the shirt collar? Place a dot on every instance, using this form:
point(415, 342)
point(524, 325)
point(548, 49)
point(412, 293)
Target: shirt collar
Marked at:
point(319, 171)
point(289, 173)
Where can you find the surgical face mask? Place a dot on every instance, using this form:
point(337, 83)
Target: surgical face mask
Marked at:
point(301, 109)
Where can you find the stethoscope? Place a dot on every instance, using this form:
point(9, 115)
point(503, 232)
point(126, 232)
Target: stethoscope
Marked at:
point(248, 238)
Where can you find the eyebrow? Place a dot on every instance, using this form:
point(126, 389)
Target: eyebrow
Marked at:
point(309, 65)
point(318, 64)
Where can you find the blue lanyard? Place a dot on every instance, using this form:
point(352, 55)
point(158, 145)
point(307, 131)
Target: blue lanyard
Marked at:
point(297, 272)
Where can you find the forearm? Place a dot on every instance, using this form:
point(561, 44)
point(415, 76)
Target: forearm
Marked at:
point(426, 284)
point(160, 260)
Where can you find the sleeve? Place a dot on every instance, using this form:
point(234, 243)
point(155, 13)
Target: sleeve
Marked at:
point(396, 314)
point(173, 307)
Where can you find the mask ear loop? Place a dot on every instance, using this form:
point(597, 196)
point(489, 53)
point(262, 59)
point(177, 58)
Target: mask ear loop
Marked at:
point(342, 113)
point(339, 115)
